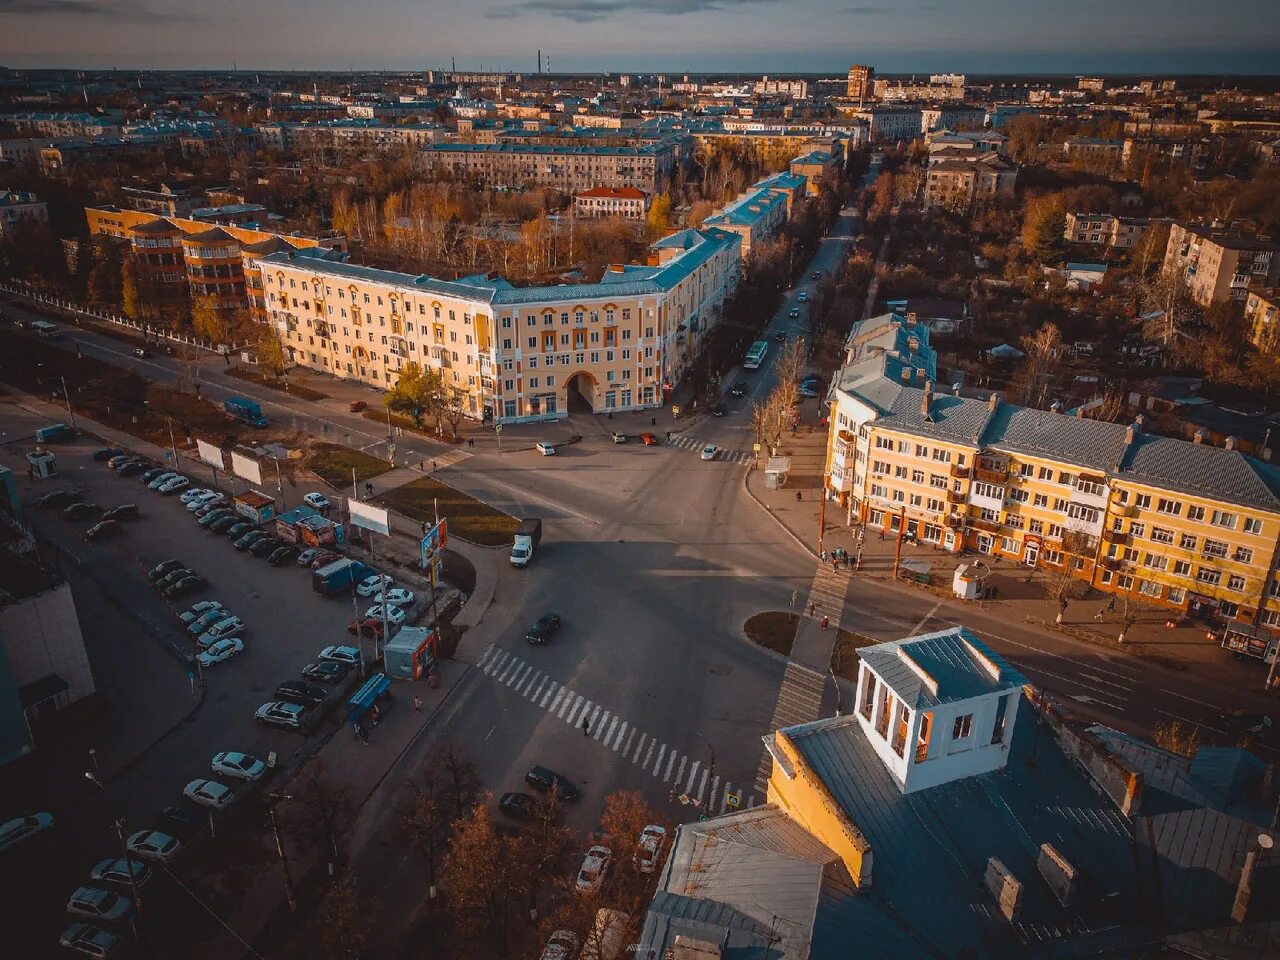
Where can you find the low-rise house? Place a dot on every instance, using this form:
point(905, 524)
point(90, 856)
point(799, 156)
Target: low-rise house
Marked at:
point(626, 202)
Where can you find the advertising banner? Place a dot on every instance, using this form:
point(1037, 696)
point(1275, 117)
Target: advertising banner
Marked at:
point(210, 454)
point(370, 517)
point(245, 468)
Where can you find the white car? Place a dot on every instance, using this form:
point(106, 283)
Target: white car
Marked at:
point(98, 904)
point(546, 449)
point(153, 845)
point(206, 498)
point(13, 832)
point(393, 615)
point(227, 627)
point(317, 500)
point(347, 655)
point(158, 482)
point(199, 493)
point(278, 713)
point(221, 650)
point(595, 865)
point(375, 584)
point(709, 451)
point(563, 945)
point(174, 485)
point(208, 793)
point(242, 766)
point(198, 610)
point(649, 848)
point(398, 596)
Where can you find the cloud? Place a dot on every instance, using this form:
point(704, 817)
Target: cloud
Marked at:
point(124, 9)
point(875, 9)
point(588, 10)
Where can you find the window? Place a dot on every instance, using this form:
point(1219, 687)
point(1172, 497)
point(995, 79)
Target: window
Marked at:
point(1090, 487)
point(1252, 525)
point(1187, 542)
point(1195, 513)
point(1124, 582)
point(1209, 575)
point(1176, 595)
point(1222, 518)
point(1002, 719)
point(1046, 473)
point(1182, 568)
point(1149, 588)
point(1171, 507)
point(1236, 582)
point(1156, 561)
point(1215, 548)
point(942, 456)
point(988, 490)
point(1161, 535)
point(1036, 526)
point(1243, 555)
point(1143, 501)
point(1078, 511)
point(917, 476)
point(1137, 529)
point(963, 727)
point(1041, 500)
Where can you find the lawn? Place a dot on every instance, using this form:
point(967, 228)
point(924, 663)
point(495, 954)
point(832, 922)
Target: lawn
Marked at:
point(333, 464)
point(773, 630)
point(844, 658)
point(468, 517)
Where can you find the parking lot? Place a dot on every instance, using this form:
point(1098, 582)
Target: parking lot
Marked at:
point(286, 625)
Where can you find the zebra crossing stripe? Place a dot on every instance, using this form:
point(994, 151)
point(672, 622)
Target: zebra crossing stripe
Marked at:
point(491, 667)
point(538, 690)
point(597, 729)
point(517, 675)
point(693, 774)
point(661, 753)
point(715, 786)
point(546, 697)
point(512, 664)
point(617, 741)
point(702, 785)
point(648, 756)
point(683, 761)
point(538, 677)
point(630, 736)
point(484, 657)
point(572, 718)
point(591, 722)
point(555, 703)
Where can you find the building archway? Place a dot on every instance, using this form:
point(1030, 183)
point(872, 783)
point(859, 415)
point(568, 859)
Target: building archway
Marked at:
point(580, 393)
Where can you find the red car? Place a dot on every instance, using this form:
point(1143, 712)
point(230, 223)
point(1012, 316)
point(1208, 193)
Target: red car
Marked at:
point(367, 628)
point(325, 558)
point(649, 439)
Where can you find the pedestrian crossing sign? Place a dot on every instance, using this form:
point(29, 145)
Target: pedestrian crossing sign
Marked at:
point(733, 799)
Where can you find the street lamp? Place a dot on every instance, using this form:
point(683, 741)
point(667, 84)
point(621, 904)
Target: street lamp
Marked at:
point(284, 860)
point(118, 823)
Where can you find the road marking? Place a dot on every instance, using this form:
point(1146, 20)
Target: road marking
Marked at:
point(715, 786)
point(926, 618)
point(648, 756)
point(1107, 683)
point(530, 691)
point(591, 723)
point(598, 728)
point(1085, 698)
point(693, 775)
point(546, 697)
point(493, 665)
point(572, 711)
point(517, 675)
point(1183, 696)
point(556, 702)
point(683, 761)
point(490, 733)
point(622, 732)
point(484, 657)
point(1194, 723)
point(512, 664)
point(658, 764)
point(538, 692)
point(702, 786)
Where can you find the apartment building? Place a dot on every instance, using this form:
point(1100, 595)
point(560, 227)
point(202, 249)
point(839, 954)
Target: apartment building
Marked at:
point(888, 124)
point(86, 125)
point(347, 138)
point(18, 207)
point(516, 353)
point(902, 90)
point(795, 89)
point(775, 145)
point(952, 116)
point(1095, 149)
point(1164, 522)
point(1262, 318)
point(1220, 262)
point(1193, 152)
point(1105, 230)
point(861, 85)
point(758, 214)
point(960, 184)
point(625, 202)
point(570, 169)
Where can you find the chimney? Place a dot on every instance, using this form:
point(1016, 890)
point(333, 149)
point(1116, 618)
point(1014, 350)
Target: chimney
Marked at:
point(1129, 434)
point(925, 398)
point(1058, 873)
point(1230, 443)
point(1198, 437)
point(1139, 422)
point(993, 401)
point(1006, 889)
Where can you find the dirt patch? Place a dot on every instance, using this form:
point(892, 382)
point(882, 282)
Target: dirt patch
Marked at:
point(468, 517)
point(333, 464)
point(271, 383)
point(844, 656)
point(407, 423)
point(773, 630)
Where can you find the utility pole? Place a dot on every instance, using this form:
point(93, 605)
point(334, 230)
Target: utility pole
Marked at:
point(897, 550)
point(66, 395)
point(284, 860)
point(822, 516)
point(279, 484)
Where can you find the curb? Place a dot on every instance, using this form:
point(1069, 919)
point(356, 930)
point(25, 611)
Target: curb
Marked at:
point(763, 506)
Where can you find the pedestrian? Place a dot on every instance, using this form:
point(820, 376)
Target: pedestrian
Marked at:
point(356, 729)
point(825, 622)
point(1101, 611)
point(364, 736)
point(653, 421)
point(798, 497)
point(1111, 605)
point(417, 704)
point(812, 608)
point(433, 466)
point(471, 442)
point(882, 534)
point(586, 726)
point(668, 436)
point(835, 565)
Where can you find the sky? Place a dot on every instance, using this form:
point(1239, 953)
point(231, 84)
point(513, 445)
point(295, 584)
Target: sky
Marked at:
point(767, 36)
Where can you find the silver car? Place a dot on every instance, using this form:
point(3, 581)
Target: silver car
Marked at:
point(98, 904)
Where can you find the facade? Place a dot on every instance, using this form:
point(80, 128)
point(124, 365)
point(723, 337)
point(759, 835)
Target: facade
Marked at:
point(625, 202)
point(1262, 318)
point(1167, 523)
point(888, 124)
point(347, 138)
point(21, 151)
point(959, 185)
point(1092, 149)
point(1220, 263)
point(515, 353)
point(759, 214)
point(1105, 230)
point(570, 169)
point(795, 89)
point(816, 166)
point(20, 207)
point(901, 90)
point(952, 116)
point(861, 83)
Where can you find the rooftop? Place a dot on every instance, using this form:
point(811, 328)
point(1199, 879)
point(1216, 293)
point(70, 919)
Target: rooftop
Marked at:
point(927, 670)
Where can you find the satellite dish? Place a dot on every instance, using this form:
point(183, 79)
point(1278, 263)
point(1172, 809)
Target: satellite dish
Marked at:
point(1265, 841)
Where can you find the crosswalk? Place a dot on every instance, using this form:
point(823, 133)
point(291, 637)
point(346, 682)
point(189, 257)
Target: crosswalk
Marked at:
point(692, 443)
point(685, 775)
point(799, 701)
point(827, 593)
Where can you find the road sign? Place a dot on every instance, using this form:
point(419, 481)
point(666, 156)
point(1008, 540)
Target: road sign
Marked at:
point(684, 798)
point(497, 428)
point(733, 799)
point(675, 410)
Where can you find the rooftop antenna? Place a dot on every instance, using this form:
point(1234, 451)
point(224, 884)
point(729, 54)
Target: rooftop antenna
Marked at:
point(539, 63)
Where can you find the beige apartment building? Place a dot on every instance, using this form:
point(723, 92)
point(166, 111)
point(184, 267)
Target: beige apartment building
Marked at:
point(515, 353)
point(1220, 262)
point(1262, 318)
point(1105, 230)
point(1167, 523)
point(960, 184)
point(646, 167)
point(861, 82)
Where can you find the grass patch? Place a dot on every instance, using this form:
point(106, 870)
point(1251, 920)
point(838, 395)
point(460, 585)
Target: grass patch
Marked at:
point(468, 517)
point(271, 383)
point(773, 630)
point(844, 656)
point(333, 464)
point(407, 423)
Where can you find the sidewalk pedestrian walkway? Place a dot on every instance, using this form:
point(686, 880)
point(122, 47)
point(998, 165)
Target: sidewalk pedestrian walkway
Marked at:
point(799, 701)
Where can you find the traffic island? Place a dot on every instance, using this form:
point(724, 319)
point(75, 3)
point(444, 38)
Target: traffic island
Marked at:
point(469, 519)
point(773, 630)
point(844, 656)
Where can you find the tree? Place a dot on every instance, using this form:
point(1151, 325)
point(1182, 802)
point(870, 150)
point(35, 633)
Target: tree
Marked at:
point(270, 351)
point(321, 813)
point(1043, 222)
point(478, 876)
point(459, 778)
point(659, 215)
point(454, 408)
point(209, 320)
point(425, 821)
point(103, 287)
point(1177, 738)
point(418, 391)
point(130, 302)
point(1061, 582)
point(1031, 381)
point(347, 921)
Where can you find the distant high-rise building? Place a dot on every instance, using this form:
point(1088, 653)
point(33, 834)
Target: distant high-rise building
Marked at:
point(861, 80)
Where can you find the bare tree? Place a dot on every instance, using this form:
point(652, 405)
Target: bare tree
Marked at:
point(321, 812)
point(1061, 582)
point(459, 779)
point(1032, 380)
point(425, 822)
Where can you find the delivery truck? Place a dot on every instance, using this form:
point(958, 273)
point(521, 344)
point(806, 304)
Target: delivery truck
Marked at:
point(246, 411)
point(340, 576)
point(528, 536)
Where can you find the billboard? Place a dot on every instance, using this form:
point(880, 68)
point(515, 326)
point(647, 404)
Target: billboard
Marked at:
point(368, 516)
point(210, 454)
point(434, 540)
point(248, 469)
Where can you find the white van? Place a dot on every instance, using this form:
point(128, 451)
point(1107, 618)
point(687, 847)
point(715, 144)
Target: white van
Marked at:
point(546, 449)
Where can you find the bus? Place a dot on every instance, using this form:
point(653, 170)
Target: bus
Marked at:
point(45, 329)
point(755, 356)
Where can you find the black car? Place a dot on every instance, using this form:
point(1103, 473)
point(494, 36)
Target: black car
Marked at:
point(780, 338)
point(131, 467)
point(182, 820)
point(107, 453)
point(213, 516)
point(543, 628)
point(239, 529)
point(160, 569)
point(154, 472)
point(326, 671)
point(307, 694)
point(519, 806)
point(249, 539)
point(264, 546)
point(81, 511)
point(719, 410)
point(543, 780)
point(126, 511)
point(104, 528)
point(59, 498)
point(218, 503)
point(223, 524)
point(282, 555)
point(188, 584)
point(739, 389)
point(172, 577)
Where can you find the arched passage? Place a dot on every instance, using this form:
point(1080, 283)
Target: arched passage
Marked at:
point(580, 390)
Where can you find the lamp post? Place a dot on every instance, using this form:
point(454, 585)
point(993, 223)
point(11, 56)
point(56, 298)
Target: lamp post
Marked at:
point(118, 823)
point(284, 859)
point(66, 395)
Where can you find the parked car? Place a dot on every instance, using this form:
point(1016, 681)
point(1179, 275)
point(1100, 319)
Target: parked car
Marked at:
point(544, 780)
point(183, 820)
point(197, 610)
point(374, 584)
point(619, 437)
point(197, 493)
point(546, 449)
point(208, 793)
point(317, 500)
point(264, 547)
point(739, 389)
point(132, 468)
point(13, 832)
point(807, 391)
point(223, 524)
point(107, 453)
point(173, 486)
point(563, 945)
point(153, 473)
point(595, 867)
point(249, 539)
point(649, 847)
point(326, 671)
point(241, 766)
point(161, 569)
point(709, 451)
point(341, 654)
point(307, 694)
point(365, 628)
point(153, 845)
point(220, 650)
point(116, 461)
point(126, 511)
point(229, 626)
point(239, 529)
point(121, 873)
point(386, 612)
point(202, 623)
point(282, 555)
point(306, 556)
point(220, 502)
point(323, 558)
point(99, 904)
point(158, 481)
point(188, 584)
point(198, 502)
point(81, 511)
point(649, 439)
point(173, 576)
point(543, 628)
point(520, 806)
point(90, 940)
point(213, 516)
point(59, 498)
point(278, 713)
point(104, 528)
point(399, 596)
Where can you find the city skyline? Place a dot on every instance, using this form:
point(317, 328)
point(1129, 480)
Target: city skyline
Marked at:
point(985, 36)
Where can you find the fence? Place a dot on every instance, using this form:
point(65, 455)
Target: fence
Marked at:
point(76, 311)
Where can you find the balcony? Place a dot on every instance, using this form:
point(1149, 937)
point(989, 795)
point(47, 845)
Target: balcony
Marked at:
point(1111, 563)
point(987, 526)
point(988, 475)
point(960, 473)
point(1121, 509)
point(1115, 536)
point(954, 496)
